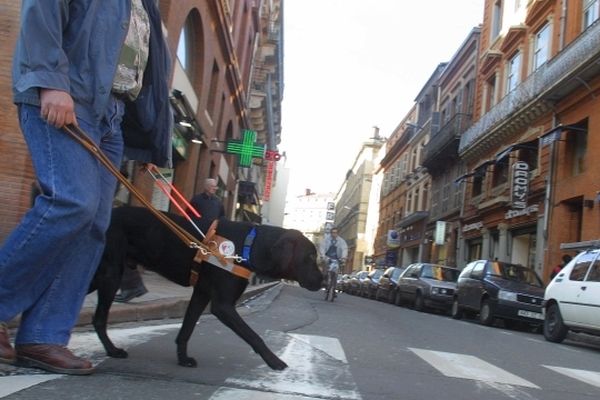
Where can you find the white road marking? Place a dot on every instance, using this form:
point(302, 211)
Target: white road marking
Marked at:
point(12, 384)
point(470, 367)
point(329, 345)
point(243, 394)
point(87, 345)
point(589, 377)
point(317, 368)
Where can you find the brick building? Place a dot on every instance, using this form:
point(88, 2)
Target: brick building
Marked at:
point(536, 111)
point(227, 78)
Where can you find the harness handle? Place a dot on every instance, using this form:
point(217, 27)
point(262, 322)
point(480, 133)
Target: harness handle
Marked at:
point(80, 136)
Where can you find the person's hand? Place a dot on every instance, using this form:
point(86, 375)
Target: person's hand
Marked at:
point(148, 167)
point(58, 107)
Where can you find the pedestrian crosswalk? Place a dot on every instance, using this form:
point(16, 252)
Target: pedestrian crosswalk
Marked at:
point(465, 366)
point(589, 377)
point(318, 368)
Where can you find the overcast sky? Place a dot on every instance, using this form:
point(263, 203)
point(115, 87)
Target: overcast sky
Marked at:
point(350, 65)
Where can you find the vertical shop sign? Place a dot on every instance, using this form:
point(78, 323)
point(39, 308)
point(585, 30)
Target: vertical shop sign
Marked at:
point(519, 185)
point(440, 232)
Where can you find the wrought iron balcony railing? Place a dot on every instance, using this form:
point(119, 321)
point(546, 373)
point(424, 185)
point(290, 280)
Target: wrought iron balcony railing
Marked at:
point(450, 132)
point(556, 72)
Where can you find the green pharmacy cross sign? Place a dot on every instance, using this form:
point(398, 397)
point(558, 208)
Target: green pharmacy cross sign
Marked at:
point(247, 148)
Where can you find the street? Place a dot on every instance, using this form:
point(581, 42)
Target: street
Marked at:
point(353, 348)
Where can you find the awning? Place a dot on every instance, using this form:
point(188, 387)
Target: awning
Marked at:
point(554, 134)
point(463, 177)
point(531, 144)
point(477, 171)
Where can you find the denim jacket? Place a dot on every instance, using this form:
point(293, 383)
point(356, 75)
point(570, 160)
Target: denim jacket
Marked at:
point(74, 46)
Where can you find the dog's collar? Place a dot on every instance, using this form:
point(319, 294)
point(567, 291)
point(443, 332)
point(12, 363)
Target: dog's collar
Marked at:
point(247, 247)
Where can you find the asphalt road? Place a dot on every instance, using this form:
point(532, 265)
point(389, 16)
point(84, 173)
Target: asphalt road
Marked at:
point(353, 348)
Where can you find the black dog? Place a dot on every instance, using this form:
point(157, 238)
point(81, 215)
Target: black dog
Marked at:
point(136, 236)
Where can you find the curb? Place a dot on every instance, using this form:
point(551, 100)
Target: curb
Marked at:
point(165, 308)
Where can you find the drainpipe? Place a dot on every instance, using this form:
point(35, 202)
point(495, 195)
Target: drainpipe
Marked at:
point(563, 25)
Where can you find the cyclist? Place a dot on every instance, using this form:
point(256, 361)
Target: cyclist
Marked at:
point(334, 251)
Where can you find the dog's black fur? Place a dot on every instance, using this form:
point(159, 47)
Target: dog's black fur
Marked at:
point(135, 236)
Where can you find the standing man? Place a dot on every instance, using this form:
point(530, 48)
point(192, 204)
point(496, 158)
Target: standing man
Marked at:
point(208, 204)
point(101, 65)
point(334, 251)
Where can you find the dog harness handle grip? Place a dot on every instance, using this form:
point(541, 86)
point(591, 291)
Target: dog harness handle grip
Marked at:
point(80, 136)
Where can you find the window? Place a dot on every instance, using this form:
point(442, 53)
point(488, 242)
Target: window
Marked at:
point(478, 178)
point(214, 81)
point(581, 267)
point(594, 274)
point(577, 147)
point(541, 49)
point(477, 272)
point(496, 19)
point(500, 176)
point(490, 91)
point(530, 154)
point(513, 77)
point(469, 95)
point(590, 12)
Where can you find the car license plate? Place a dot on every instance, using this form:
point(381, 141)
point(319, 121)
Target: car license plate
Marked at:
point(530, 314)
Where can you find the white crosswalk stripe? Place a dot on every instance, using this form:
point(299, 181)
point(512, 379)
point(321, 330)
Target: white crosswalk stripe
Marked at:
point(317, 369)
point(589, 377)
point(470, 367)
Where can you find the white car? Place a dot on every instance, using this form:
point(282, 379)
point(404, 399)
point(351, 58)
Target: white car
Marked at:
point(572, 299)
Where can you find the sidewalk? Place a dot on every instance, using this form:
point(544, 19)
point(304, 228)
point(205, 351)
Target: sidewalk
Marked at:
point(164, 300)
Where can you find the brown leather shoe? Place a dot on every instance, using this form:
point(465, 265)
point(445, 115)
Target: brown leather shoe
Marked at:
point(53, 358)
point(7, 353)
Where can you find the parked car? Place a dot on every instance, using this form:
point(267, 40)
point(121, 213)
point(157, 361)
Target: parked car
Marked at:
point(387, 289)
point(342, 281)
point(572, 299)
point(355, 282)
point(495, 289)
point(368, 286)
point(428, 286)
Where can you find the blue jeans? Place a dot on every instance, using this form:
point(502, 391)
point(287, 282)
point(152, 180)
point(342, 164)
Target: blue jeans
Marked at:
point(48, 261)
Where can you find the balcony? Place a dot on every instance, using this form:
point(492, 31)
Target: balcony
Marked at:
point(412, 218)
point(443, 145)
point(563, 74)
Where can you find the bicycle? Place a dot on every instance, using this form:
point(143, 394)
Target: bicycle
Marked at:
point(332, 273)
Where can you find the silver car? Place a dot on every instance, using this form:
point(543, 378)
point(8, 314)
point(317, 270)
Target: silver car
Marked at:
point(427, 285)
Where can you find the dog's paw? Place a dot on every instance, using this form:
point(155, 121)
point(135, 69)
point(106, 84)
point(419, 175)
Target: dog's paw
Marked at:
point(277, 364)
point(189, 362)
point(117, 353)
